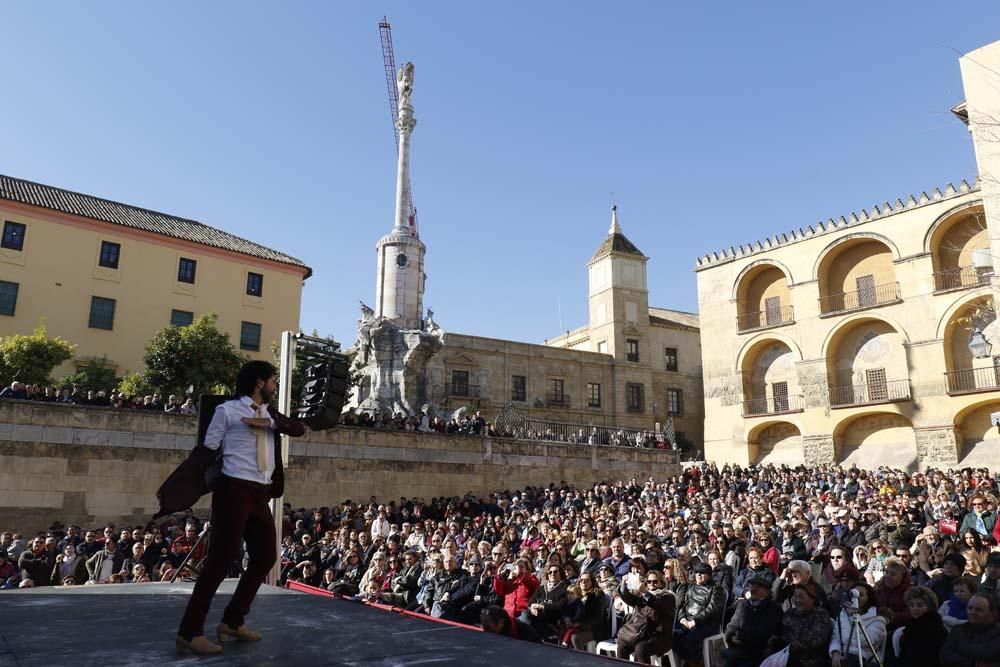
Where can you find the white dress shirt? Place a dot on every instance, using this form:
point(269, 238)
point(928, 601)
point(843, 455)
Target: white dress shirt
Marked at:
point(239, 455)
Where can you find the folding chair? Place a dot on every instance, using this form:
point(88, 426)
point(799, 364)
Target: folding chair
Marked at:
point(609, 646)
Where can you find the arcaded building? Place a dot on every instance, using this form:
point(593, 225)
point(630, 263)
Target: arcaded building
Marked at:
point(869, 339)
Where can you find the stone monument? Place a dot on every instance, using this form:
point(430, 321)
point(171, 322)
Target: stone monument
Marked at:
point(394, 341)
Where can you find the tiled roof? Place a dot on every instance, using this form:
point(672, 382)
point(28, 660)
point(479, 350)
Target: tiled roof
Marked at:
point(105, 210)
point(674, 318)
point(616, 243)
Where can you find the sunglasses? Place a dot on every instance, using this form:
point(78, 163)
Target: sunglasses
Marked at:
point(653, 582)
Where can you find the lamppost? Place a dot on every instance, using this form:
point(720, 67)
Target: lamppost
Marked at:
point(978, 345)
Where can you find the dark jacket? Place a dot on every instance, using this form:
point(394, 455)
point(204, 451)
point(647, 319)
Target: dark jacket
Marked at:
point(722, 575)
point(742, 582)
point(922, 640)
point(188, 483)
point(967, 643)
point(930, 558)
point(79, 572)
point(553, 600)
point(754, 625)
point(36, 569)
point(445, 583)
point(653, 618)
point(807, 633)
point(406, 583)
point(703, 605)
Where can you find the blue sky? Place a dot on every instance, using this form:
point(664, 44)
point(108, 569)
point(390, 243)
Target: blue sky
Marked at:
point(713, 123)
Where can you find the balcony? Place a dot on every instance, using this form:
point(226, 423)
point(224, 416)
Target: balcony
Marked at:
point(869, 393)
point(848, 302)
point(967, 276)
point(764, 319)
point(972, 380)
point(556, 398)
point(462, 390)
point(778, 405)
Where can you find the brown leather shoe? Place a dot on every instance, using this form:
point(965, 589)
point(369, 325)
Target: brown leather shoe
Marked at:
point(200, 645)
point(242, 633)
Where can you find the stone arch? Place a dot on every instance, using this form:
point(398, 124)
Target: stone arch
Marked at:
point(761, 338)
point(752, 266)
point(833, 245)
point(866, 362)
point(776, 442)
point(959, 304)
point(947, 217)
point(979, 441)
point(873, 439)
point(850, 320)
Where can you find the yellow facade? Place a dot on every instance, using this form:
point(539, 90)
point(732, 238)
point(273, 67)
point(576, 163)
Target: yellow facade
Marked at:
point(58, 271)
point(851, 341)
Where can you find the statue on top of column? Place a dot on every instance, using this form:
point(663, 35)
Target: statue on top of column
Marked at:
point(404, 85)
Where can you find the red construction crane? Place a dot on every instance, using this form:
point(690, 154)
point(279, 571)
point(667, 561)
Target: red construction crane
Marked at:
point(389, 61)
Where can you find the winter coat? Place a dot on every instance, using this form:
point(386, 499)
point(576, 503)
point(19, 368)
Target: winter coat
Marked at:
point(96, 562)
point(892, 598)
point(515, 592)
point(447, 583)
point(78, 568)
point(553, 600)
point(754, 625)
point(845, 640)
point(807, 633)
point(703, 605)
point(723, 577)
point(971, 645)
point(653, 618)
point(969, 523)
point(742, 582)
point(405, 583)
point(922, 640)
point(930, 558)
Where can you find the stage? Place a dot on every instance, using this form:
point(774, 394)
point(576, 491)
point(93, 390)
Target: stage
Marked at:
point(135, 624)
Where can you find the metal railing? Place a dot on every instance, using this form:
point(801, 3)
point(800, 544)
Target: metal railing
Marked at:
point(756, 407)
point(846, 302)
point(765, 318)
point(592, 434)
point(462, 390)
point(966, 276)
point(971, 380)
point(870, 392)
point(556, 398)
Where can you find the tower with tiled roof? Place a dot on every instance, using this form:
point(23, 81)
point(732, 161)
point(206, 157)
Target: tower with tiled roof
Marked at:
point(618, 296)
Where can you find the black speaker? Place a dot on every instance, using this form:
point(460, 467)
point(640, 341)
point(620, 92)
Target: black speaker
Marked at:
point(324, 392)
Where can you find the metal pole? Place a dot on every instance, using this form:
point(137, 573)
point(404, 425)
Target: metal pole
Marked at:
point(287, 363)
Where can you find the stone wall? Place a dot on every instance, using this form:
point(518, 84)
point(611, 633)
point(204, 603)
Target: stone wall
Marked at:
point(91, 465)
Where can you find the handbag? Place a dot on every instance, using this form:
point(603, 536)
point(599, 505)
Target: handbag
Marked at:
point(779, 659)
point(948, 526)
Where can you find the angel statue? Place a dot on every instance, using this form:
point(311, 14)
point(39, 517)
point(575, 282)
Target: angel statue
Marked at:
point(367, 312)
point(363, 343)
point(404, 85)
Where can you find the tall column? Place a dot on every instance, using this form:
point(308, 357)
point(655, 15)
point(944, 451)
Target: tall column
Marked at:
point(405, 122)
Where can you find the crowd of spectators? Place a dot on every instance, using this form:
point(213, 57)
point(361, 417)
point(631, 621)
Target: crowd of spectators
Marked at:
point(108, 398)
point(787, 563)
point(466, 423)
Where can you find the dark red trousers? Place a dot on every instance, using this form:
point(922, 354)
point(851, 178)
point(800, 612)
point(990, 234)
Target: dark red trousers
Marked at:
point(240, 512)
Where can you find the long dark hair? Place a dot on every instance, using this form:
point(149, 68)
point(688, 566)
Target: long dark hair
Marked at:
point(250, 372)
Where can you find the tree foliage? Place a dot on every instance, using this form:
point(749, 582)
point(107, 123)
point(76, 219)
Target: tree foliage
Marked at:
point(95, 374)
point(31, 358)
point(192, 359)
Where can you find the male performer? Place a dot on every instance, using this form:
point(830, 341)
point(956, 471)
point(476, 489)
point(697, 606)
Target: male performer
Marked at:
point(246, 428)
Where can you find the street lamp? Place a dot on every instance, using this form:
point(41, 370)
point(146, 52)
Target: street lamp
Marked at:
point(978, 345)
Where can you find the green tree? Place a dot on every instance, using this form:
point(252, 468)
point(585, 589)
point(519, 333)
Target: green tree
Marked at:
point(196, 358)
point(31, 358)
point(95, 374)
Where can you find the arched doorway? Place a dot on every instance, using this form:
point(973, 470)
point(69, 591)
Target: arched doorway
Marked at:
point(856, 274)
point(763, 299)
point(980, 446)
point(877, 439)
point(866, 363)
point(959, 246)
point(779, 443)
point(770, 381)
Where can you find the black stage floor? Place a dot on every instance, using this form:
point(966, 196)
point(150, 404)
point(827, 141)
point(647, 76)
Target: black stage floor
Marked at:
point(135, 624)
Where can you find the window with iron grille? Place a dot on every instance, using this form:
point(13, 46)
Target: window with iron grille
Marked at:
point(186, 270)
point(675, 402)
point(631, 349)
point(8, 297)
point(593, 395)
point(13, 235)
point(255, 284)
point(634, 397)
point(670, 354)
point(878, 388)
point(779, 392)
point(772, 310)
point(518, 388)
point(109, 254)
point(102, 313)
point(181, 318)
point(460, 383)
point(250, 336)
